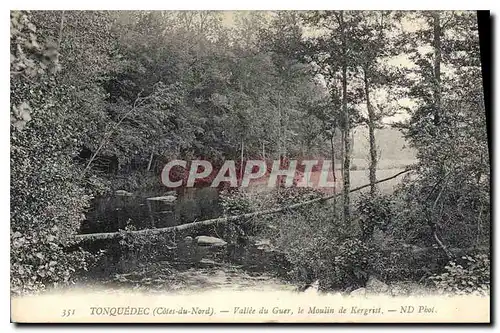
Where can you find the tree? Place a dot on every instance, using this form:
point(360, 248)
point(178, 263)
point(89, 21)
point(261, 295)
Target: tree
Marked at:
point(447, 127)
point(373, 48)
point(333, 53)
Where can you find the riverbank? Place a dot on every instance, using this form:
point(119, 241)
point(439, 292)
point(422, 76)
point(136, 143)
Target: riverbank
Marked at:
point(158, 280)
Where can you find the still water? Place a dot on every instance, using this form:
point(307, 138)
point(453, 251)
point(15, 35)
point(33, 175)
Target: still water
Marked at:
point(110, 214)
point(117, 212)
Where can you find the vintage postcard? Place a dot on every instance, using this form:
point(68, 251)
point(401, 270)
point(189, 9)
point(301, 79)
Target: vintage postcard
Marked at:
point(319, 166)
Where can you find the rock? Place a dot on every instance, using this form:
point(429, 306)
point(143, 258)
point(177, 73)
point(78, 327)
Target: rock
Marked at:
point(313, 288)
point(375, 286)
point(358, 292)
point(265, 245)
point(123, 193)
point(166, 198)
point(262, 242)
point(170, 193)
point(208, 263)
point(398, 290)
point(403, 288)
point(210, 241)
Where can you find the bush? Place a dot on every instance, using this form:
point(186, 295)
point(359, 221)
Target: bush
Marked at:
point(137, 180)
point(47, 206)
point(292, 195)
point(346, 266)
point(314, 241)
point(319, 246)
point(392, 260)
point(235, 202)
point(374, 212)
point(470, 277)
point(47, 196)
point(45, 264)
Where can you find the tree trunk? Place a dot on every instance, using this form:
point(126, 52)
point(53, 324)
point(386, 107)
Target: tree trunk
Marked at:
point(150, 212)
point(279, 126)
point(342, 154)
point(437, 120)
point(150, 161)
point(334, 175)
point(278, 181)
point(371, 131)
point(241, 159)
point(437, 68)
point(347, 145)
point(59, 38)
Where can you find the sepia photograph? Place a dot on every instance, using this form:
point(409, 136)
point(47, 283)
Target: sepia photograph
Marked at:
point(289, 166)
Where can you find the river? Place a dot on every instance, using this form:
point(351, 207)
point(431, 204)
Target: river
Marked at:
point(175, 261)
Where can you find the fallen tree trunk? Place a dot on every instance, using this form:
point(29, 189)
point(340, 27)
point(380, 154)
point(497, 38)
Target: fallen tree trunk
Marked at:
point(111, 235)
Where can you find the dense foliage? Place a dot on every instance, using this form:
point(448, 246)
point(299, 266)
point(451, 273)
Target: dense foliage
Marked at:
point(473, 278)
point(47, 199)
point(101, 100)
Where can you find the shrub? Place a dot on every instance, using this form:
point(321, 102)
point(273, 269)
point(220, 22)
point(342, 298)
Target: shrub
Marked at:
point(292, 195)
point(47, 196)
point(314, 241)
point(235, 202)
point(392, 260)
point(346, 266)
point(39, 261)
point(47, 208)
point(472, 276)
point(376, 211)
point(319, 246)
point(137, 180)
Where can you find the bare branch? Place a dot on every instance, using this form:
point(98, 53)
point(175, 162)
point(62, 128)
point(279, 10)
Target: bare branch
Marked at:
point(108, 134)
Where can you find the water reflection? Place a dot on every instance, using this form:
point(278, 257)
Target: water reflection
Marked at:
point(110, 214)
point(181, 251)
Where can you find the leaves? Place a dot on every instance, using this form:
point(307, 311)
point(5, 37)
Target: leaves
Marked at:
point(473, 277)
